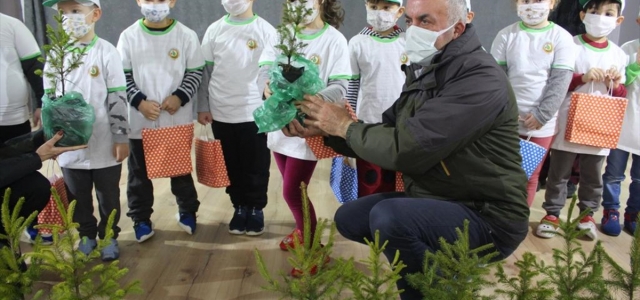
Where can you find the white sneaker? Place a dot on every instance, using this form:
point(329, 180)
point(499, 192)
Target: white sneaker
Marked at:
point(588, 223)
point(548, 226)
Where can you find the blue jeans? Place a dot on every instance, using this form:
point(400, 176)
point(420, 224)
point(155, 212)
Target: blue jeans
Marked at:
point(613, 177)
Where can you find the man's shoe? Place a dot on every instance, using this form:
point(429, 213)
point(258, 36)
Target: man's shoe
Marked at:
point(187, 221)
point(238, 224)
point(143, 230)
point(255, 222)
point(110, 252)
point(611, 222)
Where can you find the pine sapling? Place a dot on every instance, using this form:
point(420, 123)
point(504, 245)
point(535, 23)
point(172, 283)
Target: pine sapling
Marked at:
point(80, 281)
point(17, 276)
point(289, 30)
point(456, 271)
point(626, 282)
point(380, 282)
point(528, 284)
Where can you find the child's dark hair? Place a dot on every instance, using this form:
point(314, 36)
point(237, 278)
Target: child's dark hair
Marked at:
point(332, 12)
point(386, 1)
point(599, 3)
point(567, 16)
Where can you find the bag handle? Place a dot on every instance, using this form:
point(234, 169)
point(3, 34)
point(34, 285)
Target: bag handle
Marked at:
point(609, 90)
point(204, 133)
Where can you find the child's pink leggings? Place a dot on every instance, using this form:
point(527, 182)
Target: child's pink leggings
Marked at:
point(294, 171)
point(532, 185)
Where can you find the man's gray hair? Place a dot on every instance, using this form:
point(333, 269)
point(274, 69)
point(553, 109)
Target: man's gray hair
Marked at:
point(457, 11)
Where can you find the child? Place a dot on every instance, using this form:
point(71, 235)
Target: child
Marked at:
point(232, 47)
point(377, 54)
point(100, 79)
point(163, 65)
point(599, 65)
point(538, 57)
point(327, 48)
point(629, 144)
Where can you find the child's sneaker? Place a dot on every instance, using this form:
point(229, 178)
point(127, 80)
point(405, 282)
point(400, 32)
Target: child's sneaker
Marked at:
point(289, 241)
point(630, 220)
point(143, 230)
point(110, 252)
point(588, 223)
point(611, 222)
point(255, 222)
point(548, 225)
point(187, 221)
point(297, 273)
point(31, 233)
point(87, 245)
point(238, 224)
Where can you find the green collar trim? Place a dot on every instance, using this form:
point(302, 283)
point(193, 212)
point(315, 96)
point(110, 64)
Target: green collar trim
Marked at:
point(592, 48)
point(315, 35)
point(87, 48)
point(384, 41)
point(228, 20)
point(536, 30)
point(151, 32)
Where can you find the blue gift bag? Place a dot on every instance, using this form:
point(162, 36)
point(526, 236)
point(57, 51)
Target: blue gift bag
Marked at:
point(532, 156)
point(344, 180)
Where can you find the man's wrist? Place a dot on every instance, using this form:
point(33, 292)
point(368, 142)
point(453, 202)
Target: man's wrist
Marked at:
point(345, 128)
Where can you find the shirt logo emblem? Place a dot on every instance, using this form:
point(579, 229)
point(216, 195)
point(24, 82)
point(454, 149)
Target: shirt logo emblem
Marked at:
point(94, 71)
point(548, 47)
point(404, 59)
point(315, 59)
point(174, 53)
point(252, 44)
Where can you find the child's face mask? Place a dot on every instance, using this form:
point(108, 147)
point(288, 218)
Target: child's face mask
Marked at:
point(534, 14)
point(155, 12)
point(75, 25)
point(309, 5)
point(381, 20)
point(236, 7)
point(599, 25)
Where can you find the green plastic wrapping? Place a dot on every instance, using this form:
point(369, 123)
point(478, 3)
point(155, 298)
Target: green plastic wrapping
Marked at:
point(70, 114)
point(279, 110)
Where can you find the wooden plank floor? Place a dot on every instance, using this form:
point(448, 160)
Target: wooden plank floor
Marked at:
point(212, 264)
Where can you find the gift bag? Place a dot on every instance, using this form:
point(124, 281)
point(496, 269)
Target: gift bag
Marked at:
point(167, 151)
point(50, 214)
point(532, 156)
point(399, 182)
point(344, 179)
point(316, 143)
point(211, 169)
point(595, 120)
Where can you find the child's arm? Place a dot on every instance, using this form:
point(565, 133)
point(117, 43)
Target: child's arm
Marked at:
point(28, 51)
point(354, 83)
point(117, 99)
point(207, 48)
point(498, 49)
point(335, 91)
point(192, 77)
point(339, 73)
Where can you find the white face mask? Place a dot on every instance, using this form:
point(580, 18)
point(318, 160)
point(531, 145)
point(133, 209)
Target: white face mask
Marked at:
point(155, 13)
point(381, 20)
point(534, 14)
point(309, 5)
point(598, 25)
point(421, 44)
point(236, 7)
point(75, 25)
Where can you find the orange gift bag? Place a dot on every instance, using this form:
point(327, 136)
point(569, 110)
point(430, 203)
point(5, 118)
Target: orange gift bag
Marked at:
point(316, 143)
point(595, 120)
point(50, 214)
point(167, 151)
point(399, 182)
point(211, 169)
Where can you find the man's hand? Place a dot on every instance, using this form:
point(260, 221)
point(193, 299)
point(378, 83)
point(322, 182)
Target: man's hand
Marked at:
point(296, 129)
point(149, 109)
point(49, 150)
point(171, 104)
point(37, 118)
point(612, 78)
point(594, 74)
point(531, 123)
point(267, 90)
point(331, 118)
point(120, 151)
point(205, 118)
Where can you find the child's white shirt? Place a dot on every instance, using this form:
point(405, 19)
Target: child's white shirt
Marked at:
point(630, 135)
point(587, 58)
point(529, 55)
point(327, 48)
point(234, 50)
point(17, 44)
point(100, 73)
point(377, 63)
point(159, 61)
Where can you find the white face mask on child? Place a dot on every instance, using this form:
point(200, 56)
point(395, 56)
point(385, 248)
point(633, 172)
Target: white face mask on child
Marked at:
point(310, 4)
point(534, 14)
point(155, 13)
point(599, 26)
point(381, 20)
point(75, 25)
point(236, 7)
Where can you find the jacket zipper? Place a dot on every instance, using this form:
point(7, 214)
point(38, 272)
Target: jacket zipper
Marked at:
point(444, 167)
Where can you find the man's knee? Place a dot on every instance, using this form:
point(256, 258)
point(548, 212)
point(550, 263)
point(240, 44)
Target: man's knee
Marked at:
point(384, 217)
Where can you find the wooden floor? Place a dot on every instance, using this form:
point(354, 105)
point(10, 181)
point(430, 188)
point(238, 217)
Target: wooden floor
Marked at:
point(212, 264)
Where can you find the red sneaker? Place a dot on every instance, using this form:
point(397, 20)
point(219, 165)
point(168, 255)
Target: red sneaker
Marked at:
point(289, 241)
point(297, 273)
